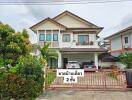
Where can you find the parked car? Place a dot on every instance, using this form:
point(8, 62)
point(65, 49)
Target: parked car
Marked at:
point(88, 65)
point(73, 65)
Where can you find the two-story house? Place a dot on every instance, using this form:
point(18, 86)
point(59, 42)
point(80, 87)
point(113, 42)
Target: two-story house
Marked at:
point(121, 41)
point(74, 38)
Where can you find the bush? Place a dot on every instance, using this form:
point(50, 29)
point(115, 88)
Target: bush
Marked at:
point(126, 58)
point(24, 81)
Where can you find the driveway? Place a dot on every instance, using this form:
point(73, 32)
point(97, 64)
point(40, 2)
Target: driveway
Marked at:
point(85, 95)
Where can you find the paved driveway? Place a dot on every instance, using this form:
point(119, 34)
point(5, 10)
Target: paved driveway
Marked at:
point(85, 95)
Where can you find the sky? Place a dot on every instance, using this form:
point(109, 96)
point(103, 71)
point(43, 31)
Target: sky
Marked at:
point(113, 16)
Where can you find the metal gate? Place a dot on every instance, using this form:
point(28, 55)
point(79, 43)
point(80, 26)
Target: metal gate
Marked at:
point(112, 79)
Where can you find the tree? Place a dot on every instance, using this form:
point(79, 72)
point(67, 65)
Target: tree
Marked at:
point(13, 44)
point(5, 31)
point(126, 58)
point(48, 53)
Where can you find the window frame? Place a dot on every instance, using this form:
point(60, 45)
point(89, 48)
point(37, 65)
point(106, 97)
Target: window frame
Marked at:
point(125, 39)
point(40, 37)
point(54, 37)
point(66, 40)
point(50, 37)
point(83, 35)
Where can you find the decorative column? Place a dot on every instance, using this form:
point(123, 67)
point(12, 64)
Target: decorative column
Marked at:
point(96, 60)
point(59, 60)
point(44, 35)
point(37, 38)
point(37, 52)
point(52, 38)
point(59, 38)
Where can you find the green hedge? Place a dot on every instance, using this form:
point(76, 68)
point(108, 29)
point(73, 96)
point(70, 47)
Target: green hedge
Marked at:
point(24, 81)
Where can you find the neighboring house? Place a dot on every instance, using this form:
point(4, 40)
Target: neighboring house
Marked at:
point(121, 41)
point(105, 44)
point(74, 38)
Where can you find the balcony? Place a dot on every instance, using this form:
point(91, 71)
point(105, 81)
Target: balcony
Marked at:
point(85, 43)
point(53, 44)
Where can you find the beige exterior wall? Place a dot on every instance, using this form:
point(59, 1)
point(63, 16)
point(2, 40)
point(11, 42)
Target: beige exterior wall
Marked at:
point(48, 25)
point(71, 22)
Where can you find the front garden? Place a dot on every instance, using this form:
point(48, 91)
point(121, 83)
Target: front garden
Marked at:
point(21, 75)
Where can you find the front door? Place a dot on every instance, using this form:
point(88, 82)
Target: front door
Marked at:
point(65, 61)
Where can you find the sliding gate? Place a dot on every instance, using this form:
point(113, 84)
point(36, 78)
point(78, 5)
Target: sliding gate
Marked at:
point(98, 79)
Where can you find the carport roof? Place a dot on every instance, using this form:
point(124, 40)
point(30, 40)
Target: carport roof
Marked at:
point(83, 50)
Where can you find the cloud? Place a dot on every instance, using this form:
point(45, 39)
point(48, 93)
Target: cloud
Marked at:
point(42, 11)
point(125, 22)
point(24, 23)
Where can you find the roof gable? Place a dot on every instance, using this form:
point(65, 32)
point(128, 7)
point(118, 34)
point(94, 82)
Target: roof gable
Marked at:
point(47, 24)
point(71, 20)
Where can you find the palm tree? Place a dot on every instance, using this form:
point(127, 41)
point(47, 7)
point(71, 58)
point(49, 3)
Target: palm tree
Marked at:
point(48, 53)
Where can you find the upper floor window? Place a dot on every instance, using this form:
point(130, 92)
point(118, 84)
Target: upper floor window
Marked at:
point(83, 39)
point(48, 37)
point(41, 37)
point(126, 39)
point(55, 37)
point(66, 38)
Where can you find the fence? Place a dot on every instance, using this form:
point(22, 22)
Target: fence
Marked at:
point(98, 79)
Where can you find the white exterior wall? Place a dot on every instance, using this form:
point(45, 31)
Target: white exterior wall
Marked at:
point(129, 35)
point(65, 44)
point(116, 43)
point(71, 44)
point(131, 40)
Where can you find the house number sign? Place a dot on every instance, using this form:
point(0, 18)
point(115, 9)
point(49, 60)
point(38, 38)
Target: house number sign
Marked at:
point(70, 75)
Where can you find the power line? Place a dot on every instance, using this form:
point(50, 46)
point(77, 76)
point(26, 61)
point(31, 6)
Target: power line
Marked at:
point(62, 2)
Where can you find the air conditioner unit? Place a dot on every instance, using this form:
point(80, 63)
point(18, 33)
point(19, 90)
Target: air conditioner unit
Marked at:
point(126, 46)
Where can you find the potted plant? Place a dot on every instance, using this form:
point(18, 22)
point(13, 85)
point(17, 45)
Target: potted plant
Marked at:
point(91, 43)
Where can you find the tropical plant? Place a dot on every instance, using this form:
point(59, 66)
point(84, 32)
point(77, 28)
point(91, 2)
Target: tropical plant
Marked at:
point(48, 53)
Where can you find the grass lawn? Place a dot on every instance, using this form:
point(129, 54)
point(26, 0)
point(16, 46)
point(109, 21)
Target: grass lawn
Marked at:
point(50, 77)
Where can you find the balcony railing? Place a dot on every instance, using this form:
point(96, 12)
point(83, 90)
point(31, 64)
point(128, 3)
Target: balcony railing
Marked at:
point(53, 44)
point(85, 43)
